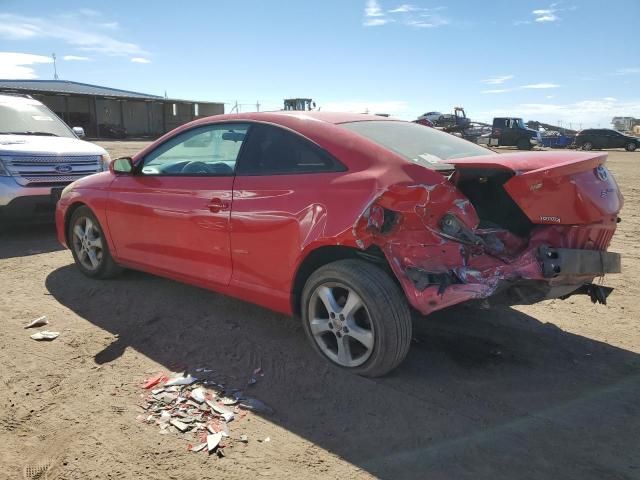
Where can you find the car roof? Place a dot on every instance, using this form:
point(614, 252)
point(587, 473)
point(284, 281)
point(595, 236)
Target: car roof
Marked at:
point(284, 116)
point(18, 99)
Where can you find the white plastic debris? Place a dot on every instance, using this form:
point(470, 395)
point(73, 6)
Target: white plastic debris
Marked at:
point(255, 405)
point(45, 335)
point(199, 448)
point(198, 394)
point(179, 425)
point(180, 380)
point(213, 441)
point(38, 322)
point(226, 414)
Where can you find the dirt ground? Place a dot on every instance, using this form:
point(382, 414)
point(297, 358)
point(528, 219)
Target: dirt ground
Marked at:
point(545, 391)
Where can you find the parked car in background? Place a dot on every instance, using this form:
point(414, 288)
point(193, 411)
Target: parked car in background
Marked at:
point(599, 138)
point(349, 221)
point(432, 117)
point(39, 156)
point(555, 139)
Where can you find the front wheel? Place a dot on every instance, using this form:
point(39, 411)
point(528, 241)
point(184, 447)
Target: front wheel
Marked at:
point(524, 144)
point(587, 146)
point(357, 317)
point(89, 246)
point(630, 147)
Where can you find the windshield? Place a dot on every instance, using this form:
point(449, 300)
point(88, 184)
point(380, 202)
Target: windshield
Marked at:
point(417, 143)
point(28, 118)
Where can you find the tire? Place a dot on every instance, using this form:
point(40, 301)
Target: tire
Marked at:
point(586, 146)
point(382, 323)
point(524, 144)
point(630, 147)
point(90, 236)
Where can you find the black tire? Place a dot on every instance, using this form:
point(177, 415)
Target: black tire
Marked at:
point(106, 267)
point(586, 146)
point(386, 307)
point(631, 147)
point(524, 144)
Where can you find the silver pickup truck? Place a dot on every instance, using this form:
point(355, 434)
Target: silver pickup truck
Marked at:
point(39, 156)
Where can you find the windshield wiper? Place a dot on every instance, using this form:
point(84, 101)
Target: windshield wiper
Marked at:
point(43, 134)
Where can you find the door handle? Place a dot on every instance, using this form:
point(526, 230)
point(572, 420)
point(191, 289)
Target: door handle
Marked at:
point(217, 204)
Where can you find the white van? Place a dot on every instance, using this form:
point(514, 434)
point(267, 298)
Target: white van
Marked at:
point(39, 156)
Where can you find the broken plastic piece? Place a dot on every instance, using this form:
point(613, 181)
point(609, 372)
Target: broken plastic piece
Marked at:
point(38, 322)
point(180, 380)
point(154, 380)
point(45, 335)
point(199, 394)
point(226, 414)
point(199, 448)
point(255, 405)
point(213, 441)
point(179, 425)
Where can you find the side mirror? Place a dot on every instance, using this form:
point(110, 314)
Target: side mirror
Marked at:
point(79, 131)
point(122, 165)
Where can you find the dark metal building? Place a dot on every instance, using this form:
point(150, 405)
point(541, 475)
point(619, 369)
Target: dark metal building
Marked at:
point(106, 112)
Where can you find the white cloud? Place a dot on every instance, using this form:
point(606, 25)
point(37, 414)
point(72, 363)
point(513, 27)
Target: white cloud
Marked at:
point(374, 15)
point(497, 90)
point(539, 86)
point(545, 15)
point(20, 65)
point(498, 80)
point(75, 58)
point(83, 37)
point(627, 71)
point(406, 14)
point(110, 25)
point(391, 107)
point(140, 60)
point(405, 7)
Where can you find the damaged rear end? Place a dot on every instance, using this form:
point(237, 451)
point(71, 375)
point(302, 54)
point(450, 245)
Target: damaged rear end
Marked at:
point(509, 229)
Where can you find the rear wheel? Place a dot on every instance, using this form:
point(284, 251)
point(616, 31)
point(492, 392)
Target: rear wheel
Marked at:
point(587, 146)
point(89, 246)
point(357, 317)
point(524, 144)
point(630, 147)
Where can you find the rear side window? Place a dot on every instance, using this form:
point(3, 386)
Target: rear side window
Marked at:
point(272, 150)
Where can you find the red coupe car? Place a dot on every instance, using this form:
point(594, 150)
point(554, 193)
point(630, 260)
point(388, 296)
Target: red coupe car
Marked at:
point(349, 221)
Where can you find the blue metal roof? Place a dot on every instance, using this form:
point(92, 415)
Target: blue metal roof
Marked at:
point(67, 87)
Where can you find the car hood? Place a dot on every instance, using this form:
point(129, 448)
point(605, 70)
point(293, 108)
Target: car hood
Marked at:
point(44, 145)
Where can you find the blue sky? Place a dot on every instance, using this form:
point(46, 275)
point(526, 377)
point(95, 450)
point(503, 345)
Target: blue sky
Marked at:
point(566, 61)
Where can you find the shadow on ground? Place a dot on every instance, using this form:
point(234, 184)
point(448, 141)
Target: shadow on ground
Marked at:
point(21, 240)
point(483, 393)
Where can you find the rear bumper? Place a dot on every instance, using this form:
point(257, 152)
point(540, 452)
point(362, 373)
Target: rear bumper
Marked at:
point(568, 262)
point(539, 273)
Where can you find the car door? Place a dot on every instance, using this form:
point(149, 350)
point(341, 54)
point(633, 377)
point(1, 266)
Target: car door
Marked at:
point(599, 139)
point(173, 213)
point(618, 140)
point(278, 202)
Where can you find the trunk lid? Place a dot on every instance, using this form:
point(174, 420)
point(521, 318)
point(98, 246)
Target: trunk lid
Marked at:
point(566, 188)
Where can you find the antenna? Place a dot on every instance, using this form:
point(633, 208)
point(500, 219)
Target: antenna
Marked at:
point(55, 67)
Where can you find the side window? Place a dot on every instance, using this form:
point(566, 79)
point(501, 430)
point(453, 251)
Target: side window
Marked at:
point(275, 151)
point(207, 150)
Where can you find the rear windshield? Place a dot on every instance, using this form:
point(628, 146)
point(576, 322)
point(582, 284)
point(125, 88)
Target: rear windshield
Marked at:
point(426, 146)
point(31, 118)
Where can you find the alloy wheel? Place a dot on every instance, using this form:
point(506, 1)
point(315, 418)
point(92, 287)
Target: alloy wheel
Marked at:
point(340, 324)
point(87, 243)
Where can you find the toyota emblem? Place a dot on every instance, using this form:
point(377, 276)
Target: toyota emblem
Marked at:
point(601, 173)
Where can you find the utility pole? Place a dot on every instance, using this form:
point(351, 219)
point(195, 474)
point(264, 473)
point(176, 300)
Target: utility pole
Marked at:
point(55, 68)
point(257, 105)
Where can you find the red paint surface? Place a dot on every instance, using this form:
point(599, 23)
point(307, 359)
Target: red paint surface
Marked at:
point(253, 248)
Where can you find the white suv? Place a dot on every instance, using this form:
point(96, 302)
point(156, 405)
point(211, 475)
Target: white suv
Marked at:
point(39, 156)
